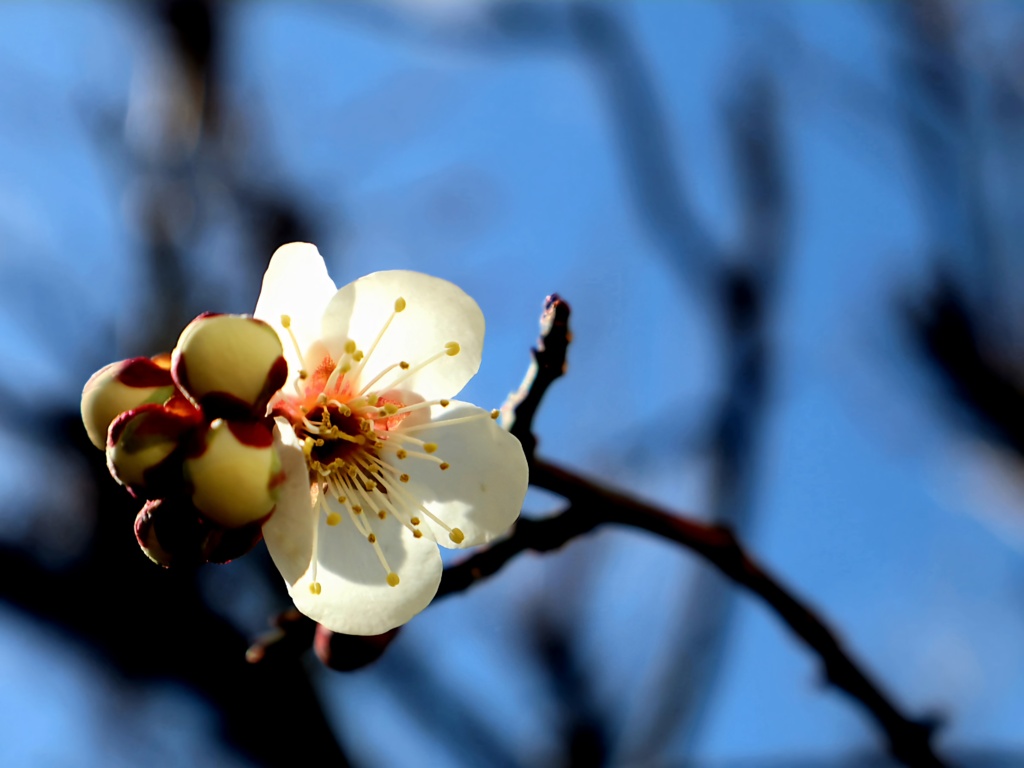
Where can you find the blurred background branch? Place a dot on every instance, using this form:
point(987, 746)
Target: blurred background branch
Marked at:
point(731, 197)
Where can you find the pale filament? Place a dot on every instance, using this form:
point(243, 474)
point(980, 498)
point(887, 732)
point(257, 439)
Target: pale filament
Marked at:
point(399, 306)
point(448, 422)
point(301, 374)
point(450, 350)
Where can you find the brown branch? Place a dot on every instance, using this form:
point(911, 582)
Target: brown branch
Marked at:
point(592, 505)
point(547, 365)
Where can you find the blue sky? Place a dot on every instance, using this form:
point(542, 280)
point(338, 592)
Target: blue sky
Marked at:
point(422, 138)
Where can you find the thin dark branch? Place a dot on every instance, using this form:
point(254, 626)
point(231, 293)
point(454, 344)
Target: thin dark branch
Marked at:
point(548, 363)
point(593, 505)
point(642, 129)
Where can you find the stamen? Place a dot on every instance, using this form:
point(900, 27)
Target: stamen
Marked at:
point(450, 422)
point(389, 500)
point(399, 307)
point(343, 366)
point(381, 375)
point(314, 586)
point(364, 525)
point(455, 534)
point(343, 409)
point(286, 323)
point(427, 456)
point(448, 350)
point(418, 406)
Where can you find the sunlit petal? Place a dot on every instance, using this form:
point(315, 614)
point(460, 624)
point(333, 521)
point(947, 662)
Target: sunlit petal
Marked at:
point(434, 313)
point(353, 593)
point(295, 284)
point(482, 490)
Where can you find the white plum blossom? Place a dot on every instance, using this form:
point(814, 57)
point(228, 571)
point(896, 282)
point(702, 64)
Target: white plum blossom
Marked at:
point(381, 464)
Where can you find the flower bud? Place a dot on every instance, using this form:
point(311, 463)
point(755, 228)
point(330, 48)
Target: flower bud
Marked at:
point(173, 532)
point(230, 365)
point(347, 653)
point(119, 387)
point(142, 444)
point(234, 478)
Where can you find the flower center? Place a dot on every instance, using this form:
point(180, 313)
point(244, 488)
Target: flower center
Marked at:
point(357, 438)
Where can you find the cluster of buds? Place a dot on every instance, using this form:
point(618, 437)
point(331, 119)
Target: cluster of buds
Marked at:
point(189, 433)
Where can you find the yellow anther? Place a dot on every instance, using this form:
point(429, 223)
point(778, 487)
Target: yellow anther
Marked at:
point(371, 538)
point(382, 514)
point(358, 355)
point(315, 587)
point(399, 304)
point(333, 519)
point(430, 447)
point(307, 446)
point(321, 399)
point(404, 478)
point(457, 536)
point(415, 521)
point(495, 413)
point(350, 347)
point(417, 534)
point(401, 453)
point(302, 374)
point(391, 408)
point(286, 321)
point(443, 403)
point(444, 465)
point(393, 579)
point(452, 348)
point(403, 365)
point(357, 509)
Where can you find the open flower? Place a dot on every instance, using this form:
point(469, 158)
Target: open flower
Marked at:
point(380, 464)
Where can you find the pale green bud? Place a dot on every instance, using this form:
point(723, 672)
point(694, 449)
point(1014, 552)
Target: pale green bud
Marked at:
point(120, 387)
point(230, 365)
point(234, 480)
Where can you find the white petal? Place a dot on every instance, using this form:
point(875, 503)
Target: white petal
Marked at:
point(355, 597)
point(296, 284)
point(436, 312)
point(482, 491)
